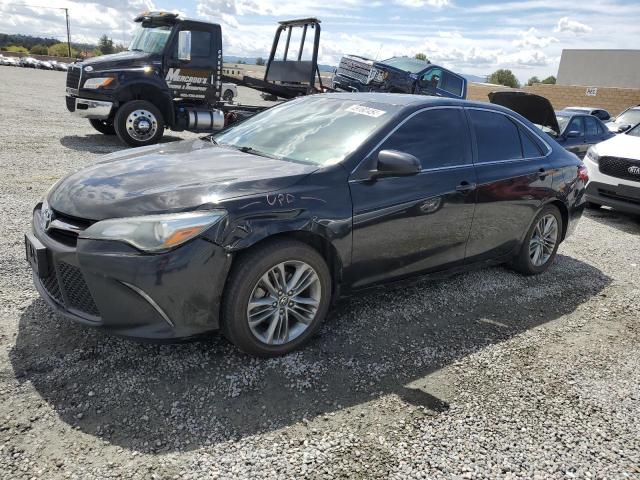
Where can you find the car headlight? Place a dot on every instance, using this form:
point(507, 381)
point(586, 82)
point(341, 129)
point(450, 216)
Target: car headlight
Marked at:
point(98, 82)
point(155, 233)
point(593, 156)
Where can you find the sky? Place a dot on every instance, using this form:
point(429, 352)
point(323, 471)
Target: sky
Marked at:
point(471, 37)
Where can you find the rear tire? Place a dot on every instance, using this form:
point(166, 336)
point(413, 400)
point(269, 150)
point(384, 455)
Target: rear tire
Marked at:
point(228, 96)
point(103, 126)
point(541, 243)
point(269, 322)
point(139, 123)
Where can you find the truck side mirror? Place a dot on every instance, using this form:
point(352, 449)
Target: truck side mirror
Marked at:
point(184, 45)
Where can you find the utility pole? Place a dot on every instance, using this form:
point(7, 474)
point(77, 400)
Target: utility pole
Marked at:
point(66, 14)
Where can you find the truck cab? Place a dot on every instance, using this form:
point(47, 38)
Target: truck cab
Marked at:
point(170, 77)
point(398, 75)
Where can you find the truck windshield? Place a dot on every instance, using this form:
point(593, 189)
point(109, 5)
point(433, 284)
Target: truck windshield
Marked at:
point(405, 63)
point(150, 39)
point(313, 130)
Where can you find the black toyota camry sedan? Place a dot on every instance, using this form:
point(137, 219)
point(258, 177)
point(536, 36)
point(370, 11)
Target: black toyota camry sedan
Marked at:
point(258, 229)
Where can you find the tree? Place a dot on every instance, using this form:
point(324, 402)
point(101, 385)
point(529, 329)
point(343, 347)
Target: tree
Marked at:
point(533, 80)
point(551, 80)
point(105, 44)
point(421, 56)
point(260, 61)
point(39, 50)
point(62, 50)
point(16, 48)
point(504, 77)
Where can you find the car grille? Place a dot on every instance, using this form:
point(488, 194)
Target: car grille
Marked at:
point(66, 285)
point(73, 77)
point(65, 229)
point(620, 168)
point(355, 69)
point(76, 290)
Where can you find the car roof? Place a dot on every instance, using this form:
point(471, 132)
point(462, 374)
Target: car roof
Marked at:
point(403, 100)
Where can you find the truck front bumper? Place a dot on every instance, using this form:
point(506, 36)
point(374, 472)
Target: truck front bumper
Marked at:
point(87, 108)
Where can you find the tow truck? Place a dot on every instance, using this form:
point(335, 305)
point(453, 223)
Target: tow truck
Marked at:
point(171, 77)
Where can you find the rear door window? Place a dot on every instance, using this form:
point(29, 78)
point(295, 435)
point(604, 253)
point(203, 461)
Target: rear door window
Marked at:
point(591, 127)
point(452, 84)
point(530, 148)
point(497, 137)
point(438, 138)
point(576, 125)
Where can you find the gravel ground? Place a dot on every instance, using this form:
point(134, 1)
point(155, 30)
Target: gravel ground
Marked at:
point(484, 375)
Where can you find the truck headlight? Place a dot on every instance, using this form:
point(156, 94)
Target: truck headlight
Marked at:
point(593, 156)
point(155, 233)
point(98, 82)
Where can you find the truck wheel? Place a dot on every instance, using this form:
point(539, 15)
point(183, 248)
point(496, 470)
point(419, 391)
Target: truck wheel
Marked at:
point(139, 123)
point(228, 96)
point(103, 126)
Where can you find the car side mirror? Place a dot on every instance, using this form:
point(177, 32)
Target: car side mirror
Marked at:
point(573, 134)
point(184, 45)
point(623, 128)
point(393, 163)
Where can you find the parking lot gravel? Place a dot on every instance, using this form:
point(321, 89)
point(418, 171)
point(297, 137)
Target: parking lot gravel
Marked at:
point(486, 374)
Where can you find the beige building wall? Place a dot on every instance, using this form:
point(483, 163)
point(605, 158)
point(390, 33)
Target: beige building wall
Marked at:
point(614, 100)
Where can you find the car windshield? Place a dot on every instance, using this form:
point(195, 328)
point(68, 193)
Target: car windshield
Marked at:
point(314, 130)
point(563, 120)
point(405, 63)
point(150, 39)
point(630, 117)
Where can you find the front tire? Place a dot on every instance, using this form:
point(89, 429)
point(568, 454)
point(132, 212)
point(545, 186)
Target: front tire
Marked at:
point(139, 123)
point(276, 298)
point(103, 126)
point(228, 96)
point(541, 243)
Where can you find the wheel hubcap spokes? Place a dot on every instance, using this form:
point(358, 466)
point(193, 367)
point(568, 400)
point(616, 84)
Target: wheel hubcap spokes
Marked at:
point(142, 125)
point(284, 302)
point(543, 241)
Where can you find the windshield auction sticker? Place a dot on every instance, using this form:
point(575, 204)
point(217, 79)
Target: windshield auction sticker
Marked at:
point(368, 111)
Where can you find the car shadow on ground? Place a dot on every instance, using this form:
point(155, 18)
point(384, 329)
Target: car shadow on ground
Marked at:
point(149, 397)
point(626, 222)
point(99, 143)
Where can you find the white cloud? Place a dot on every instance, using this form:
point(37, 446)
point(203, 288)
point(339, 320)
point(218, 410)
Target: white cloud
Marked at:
point(449, 34)
point(571, 26)
point(422, 3)
point(530, 38)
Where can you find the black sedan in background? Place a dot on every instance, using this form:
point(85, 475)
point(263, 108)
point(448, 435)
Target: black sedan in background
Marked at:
point(258, 229)
point(574, 130)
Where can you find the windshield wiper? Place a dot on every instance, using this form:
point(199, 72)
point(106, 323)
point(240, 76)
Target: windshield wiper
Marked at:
point(253, 151)
point(212, 140)
point(136, 50)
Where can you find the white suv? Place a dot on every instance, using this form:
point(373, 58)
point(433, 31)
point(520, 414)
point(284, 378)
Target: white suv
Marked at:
point(614, 172)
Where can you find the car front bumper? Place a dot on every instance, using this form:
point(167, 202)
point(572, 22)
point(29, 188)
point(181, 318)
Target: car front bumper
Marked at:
point(88, 108)
point(619, 197)
point(115, 287)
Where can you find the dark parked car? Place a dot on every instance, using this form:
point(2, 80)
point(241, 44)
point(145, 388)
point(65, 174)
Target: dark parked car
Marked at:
point(258, 229)
point(574, 131)
point(398, 75)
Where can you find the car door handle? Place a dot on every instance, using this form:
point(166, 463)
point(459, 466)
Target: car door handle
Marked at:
point(466, 187)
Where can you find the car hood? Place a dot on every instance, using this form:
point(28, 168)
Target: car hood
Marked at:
point(533, 107)
point(170, 177)
point(126, 59)
point(623, 145)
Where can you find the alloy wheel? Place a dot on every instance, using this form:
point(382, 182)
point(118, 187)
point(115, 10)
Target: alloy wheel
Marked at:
point(284, 302)
point(543, 240)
